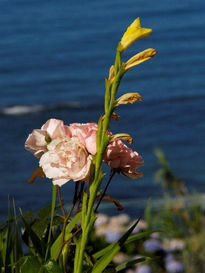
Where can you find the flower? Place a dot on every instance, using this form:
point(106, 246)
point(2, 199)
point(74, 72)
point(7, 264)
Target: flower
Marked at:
point(143, 269)
point(102, 219)
point(134, 32)
point(66, 159)
point(152, 245)
point(37, 141)
point(140, 58)
point(120, 220)
point(120, 258)
point(112, 235)
point(86, 132)
point(174, 266)
point(128, 98)
point(121, 158)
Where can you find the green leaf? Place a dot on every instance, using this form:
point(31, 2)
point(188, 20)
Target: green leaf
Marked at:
point(131, 238)
point(37, 243)
point(50, 267)
point(31, 265)
point(28, 214)
point(129, 264)
point(105, 260)
point(55, 248)
point(8, 245)
point(17, 248)
point(44, 212)
point(109, 270)
point(40, 227)
point(53, 204)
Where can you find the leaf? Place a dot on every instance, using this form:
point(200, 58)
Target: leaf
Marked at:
point(105, 260)
point(31, 265)
point(55, 248)
point(8, 245)
point(129, 264)
point(44, 212)
point(37, 243)
point(40, 227)
point(17, 248)
point(53, 204)
point(131, 238)
point(109, 270)
point(28, 214)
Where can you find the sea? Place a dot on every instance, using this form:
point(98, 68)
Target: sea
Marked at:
point(54, 57)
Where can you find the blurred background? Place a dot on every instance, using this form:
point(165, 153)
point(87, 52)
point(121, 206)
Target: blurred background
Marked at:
point(54, 56)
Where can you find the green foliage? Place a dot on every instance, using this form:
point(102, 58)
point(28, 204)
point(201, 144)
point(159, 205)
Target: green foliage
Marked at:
point(30, 265)
point(56, 246)
point(129, 264)
point(180, 217)
point(107, 257)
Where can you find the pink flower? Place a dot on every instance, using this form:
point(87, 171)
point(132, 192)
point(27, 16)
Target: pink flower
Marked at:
point(66, 159)
point(121, 158)
point(37, 141)
point(86, 132)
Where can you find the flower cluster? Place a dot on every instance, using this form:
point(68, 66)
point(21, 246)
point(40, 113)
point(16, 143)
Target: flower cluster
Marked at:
point(66, 152)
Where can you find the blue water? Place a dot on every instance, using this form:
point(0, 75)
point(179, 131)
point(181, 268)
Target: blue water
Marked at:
point(54, 56)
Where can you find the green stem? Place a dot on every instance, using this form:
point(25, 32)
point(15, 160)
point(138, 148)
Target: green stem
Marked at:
point(103, 141)
point(53, 204)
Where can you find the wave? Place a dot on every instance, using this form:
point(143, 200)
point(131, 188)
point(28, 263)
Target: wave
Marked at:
point(30, 109)
point(94, 104)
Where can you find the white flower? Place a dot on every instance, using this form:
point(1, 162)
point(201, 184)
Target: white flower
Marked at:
point(66, 159)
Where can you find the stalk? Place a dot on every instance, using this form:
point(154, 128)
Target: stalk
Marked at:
point(102, 142)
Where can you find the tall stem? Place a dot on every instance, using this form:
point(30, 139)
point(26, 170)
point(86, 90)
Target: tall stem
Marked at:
point(102, 143)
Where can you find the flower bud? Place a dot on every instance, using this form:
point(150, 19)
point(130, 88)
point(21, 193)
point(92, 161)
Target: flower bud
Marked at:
point(128, 98)
point(111, 74)
point(140, 58)
point(122, 136)
point(134, 32)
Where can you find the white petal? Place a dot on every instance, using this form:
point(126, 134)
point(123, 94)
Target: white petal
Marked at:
point(60, 182)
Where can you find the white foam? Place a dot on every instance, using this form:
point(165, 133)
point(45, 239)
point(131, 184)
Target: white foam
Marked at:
point(21, 109)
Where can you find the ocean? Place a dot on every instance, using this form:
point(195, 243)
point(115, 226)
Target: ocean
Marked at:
point(54, 57)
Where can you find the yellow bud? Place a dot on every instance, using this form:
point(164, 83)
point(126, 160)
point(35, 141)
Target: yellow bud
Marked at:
point(134, 32)
point(140, 58)
point(122, 136)
point(128, 98)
